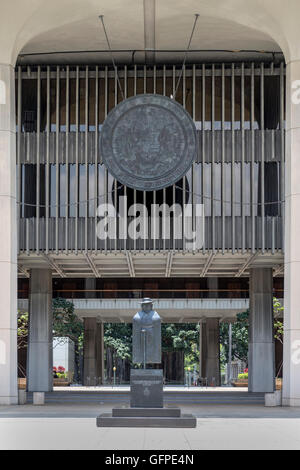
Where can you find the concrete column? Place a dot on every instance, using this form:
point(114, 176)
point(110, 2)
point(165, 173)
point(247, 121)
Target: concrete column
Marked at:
point(213, 285)
point(40, 348)
point(91, 352)
point(213, 352)
point(90, 286)
point(202, 350)
point(291, 346)
point(100, 352)
point(8, 239)
point(261, 336)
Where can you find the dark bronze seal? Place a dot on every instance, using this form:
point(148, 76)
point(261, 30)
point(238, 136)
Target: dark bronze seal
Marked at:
point(148, 142)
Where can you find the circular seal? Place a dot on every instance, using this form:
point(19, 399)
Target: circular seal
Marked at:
point(148, 142)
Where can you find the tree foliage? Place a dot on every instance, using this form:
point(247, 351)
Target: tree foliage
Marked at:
point(180, 336)
point(240, 334)
point(278, 324)
point(239, 338)
point(65, 323)
point(118, 337)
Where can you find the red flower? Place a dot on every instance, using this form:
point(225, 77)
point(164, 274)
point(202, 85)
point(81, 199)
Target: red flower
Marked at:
point(246, 371)
point(54, 369)
point(61, 369)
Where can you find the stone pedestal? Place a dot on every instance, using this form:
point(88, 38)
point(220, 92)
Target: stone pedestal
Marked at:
point(146, 405)
point(146, 388)
point(146, 418)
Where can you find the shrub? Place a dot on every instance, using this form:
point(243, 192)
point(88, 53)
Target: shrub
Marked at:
point(243, 376)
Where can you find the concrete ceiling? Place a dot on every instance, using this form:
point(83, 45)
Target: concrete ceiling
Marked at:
point(137, 25)
point(154, 264)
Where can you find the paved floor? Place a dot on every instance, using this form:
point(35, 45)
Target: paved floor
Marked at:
point(225, 420)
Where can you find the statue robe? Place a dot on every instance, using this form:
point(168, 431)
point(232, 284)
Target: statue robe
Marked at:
point(151, 323)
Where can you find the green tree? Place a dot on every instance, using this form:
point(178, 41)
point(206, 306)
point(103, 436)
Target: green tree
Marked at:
point(65, 325)
point(239, 338)
point(118, 337)
point(278, 324)
point(240, 334)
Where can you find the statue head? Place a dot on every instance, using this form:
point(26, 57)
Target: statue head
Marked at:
point(147, 304)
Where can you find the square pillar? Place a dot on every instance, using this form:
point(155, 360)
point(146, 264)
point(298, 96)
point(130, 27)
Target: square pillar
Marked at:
point(213, 351)
point(8, 239)
point(40, 348)
point(100, 352)
point(291, 337)
point(202, 349)
point(261, 334)
point(93, 354)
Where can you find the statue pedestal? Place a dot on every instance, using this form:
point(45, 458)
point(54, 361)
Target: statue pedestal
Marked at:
point(146, 405)
point(146, 388)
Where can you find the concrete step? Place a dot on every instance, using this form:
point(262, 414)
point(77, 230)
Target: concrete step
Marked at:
point(184, 421)
point(169, 412)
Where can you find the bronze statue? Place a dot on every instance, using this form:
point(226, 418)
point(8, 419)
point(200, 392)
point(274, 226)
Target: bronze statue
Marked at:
point(146, 332)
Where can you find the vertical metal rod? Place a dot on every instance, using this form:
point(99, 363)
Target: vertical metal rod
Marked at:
point(134, 202)
point(125, 82)
point(105, 186)
point(252, 181)
point(164, 220)
point(203, 147)
point(116, 217)
point(105, 200)
point(126, 220)
point(243, 153)
point(229, 353)
point(77, 162)
point(86, 158)
point(154, 79)
point(67, 158)
point(194, 190)
point(135, 80)
point(164, 80)
point(116, 86)
point(183, 213)
point(146, 231)
point(223, 159)
point(57, 133)
point(145, 79)
point(233, 158)
point(106, 91)
point(282, 152)
point(20, 208)
point(38, 131)
point(212, 194)
point(262, 125)
point(47, 159)
point(96, 195)
point(174, 79)
point(183, 86)
point(194, 95)
point(144, 342)
point(155, 228)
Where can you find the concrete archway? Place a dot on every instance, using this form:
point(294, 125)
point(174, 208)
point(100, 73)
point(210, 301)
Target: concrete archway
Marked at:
point(27, 25)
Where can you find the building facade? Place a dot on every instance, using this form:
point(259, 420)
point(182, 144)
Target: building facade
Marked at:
point(242, 94)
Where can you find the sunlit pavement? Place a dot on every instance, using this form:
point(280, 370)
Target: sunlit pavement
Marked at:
point(227, 419)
